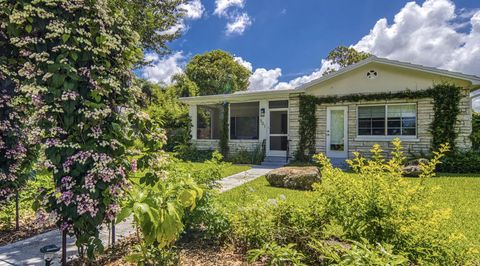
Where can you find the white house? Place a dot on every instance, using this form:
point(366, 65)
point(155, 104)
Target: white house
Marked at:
point(342, 127)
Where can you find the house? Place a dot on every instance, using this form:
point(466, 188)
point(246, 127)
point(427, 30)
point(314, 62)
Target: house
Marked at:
point(273, 117)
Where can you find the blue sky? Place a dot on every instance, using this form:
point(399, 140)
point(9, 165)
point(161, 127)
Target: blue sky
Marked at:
point(284, 42)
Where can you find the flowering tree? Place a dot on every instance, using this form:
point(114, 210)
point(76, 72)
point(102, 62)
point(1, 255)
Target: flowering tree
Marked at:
point(17, 148)
point(76, 59)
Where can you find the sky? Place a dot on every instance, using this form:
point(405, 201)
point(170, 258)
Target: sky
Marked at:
point(284, 42)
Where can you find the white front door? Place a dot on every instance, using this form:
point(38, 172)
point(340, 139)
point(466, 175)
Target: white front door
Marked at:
point(337, 134)
point(278, 133)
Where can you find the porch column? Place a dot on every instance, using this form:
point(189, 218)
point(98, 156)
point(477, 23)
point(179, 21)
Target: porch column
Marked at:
point(264, 123)
point(192, 112)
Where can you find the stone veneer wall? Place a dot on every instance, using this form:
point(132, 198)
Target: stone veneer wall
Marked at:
point(420, 145)
point(234, 145)
point(293, 123)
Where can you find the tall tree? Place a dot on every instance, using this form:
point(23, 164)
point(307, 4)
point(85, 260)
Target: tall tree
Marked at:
point(183, 86)
point(216, 72)
point(344, 56)
point(155, 21)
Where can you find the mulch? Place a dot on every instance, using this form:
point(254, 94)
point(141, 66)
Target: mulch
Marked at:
point(28, 228)
point(193, 251)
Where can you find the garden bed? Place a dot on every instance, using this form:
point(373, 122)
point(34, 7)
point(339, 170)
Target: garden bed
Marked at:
point(28, 228)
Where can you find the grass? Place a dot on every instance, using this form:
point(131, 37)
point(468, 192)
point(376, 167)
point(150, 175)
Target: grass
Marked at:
point(460, 193)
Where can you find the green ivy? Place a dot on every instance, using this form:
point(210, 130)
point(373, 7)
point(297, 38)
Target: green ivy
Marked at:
point(307, 128)
point(446, 99)
point(475, 136)
point(223, 144)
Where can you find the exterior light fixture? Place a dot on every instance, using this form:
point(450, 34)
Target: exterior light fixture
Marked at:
point(262, 112)
point(49, 252)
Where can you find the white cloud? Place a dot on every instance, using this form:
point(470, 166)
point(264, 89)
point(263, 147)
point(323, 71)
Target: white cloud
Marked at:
point(193, 9)
point(243, 62)
point(238, 24)
point(161, 70)
point(428, 34)
point(221, 6)
point(263, 79)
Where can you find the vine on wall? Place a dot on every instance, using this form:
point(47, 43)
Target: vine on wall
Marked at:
point(475, 136)
point(446, 108)
point(308, 128)
point(446, 98)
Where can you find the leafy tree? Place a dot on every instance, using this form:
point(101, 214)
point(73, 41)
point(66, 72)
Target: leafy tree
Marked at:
point(153, 21)
point(344, 56)
point(163, 106)
point(184, 87)
point(216, 72)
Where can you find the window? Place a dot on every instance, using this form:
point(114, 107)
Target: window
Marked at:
point(277, 104)
point(244, 120)
point(387, 120)
point(209, 121)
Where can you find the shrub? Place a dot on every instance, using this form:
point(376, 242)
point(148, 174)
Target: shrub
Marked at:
point(357, 253)
point(458, 162)
point(249, 157)
point(378, 205)
point(277, 255)
point(252, 225)
point(208, 216)
point(188, 152)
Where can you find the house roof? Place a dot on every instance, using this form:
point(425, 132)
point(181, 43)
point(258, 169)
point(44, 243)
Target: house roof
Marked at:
point(252, 95)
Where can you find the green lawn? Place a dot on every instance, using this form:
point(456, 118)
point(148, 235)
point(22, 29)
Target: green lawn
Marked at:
point(461, 193)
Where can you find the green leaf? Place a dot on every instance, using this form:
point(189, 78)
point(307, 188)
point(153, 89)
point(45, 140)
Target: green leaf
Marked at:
point(74, 56)
point(65, 37)
point(28, 28)
point(124, 213)
point(57, 80)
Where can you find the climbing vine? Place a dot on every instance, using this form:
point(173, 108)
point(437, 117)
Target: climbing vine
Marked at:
point(223, 143)
point(446, 99)
point(75, 60)
point(446, 108)
point(475, 136)
point(308, 128)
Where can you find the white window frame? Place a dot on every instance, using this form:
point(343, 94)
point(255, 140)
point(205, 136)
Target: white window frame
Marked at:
point(387, 137)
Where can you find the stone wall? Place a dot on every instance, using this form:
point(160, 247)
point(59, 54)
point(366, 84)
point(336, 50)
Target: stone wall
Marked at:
point(293, 123)
point(234, 145)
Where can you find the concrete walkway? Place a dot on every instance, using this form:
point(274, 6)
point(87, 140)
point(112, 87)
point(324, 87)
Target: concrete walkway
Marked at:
point(27, 252)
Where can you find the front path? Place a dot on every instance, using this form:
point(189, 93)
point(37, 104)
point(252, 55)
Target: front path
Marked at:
point(27, 252)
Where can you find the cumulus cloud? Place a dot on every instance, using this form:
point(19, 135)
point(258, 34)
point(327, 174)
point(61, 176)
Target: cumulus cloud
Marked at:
point(161, 70)
point(243, 62)
point(193, 10)
point(238, 24)
point(221, 6)
point(263, 79)
point(428, 34)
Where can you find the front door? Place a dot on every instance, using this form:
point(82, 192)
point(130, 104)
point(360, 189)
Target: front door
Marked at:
point(278, 133)
point(337, 137)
